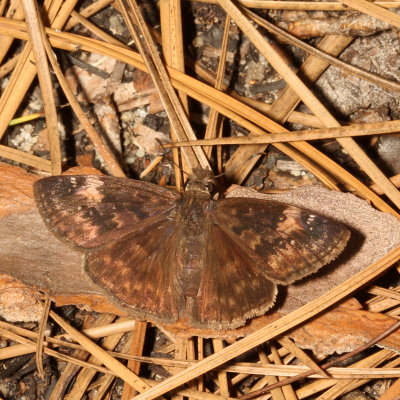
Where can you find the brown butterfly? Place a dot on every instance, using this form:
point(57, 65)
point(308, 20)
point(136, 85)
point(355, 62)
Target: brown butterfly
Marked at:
point(170, 257)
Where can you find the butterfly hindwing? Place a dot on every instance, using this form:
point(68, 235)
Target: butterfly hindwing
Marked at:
point(290, 242)
point(233, 287)
point(141, 272)
point(91, 210)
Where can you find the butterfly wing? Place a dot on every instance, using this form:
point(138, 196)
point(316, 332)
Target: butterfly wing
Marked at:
point(140, 272)
point(92, 210)
point(233, 286)
point(289, 242)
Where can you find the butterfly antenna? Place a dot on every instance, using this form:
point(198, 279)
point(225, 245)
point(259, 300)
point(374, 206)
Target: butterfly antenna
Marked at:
point(183, 172)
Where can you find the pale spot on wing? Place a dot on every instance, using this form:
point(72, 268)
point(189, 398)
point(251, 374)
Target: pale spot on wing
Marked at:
point(91, 194)
point(89, 189)
point(254, 282)
point(310, 219)
point(107, 259)
point(232, 301)
point(291, 223)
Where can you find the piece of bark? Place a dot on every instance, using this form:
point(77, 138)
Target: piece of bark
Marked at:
point(30, 253)
point(345, 328)
point(18, 302)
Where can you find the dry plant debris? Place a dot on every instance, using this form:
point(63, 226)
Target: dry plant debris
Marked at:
point(249, 77)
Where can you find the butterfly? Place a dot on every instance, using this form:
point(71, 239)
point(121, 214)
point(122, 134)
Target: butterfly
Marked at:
point(171, 257)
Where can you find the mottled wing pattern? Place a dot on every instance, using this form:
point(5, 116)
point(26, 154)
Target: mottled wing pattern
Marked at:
point(91, 210)
point(288, 241)
point(141, 272)
point(233, 286)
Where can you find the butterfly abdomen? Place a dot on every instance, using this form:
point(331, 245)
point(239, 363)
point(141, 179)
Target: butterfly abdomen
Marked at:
point(191, 246)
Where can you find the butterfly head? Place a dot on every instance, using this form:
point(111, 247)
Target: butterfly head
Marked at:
point(201, 181)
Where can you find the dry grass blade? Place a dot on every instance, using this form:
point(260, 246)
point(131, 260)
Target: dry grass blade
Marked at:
point(387, 293)
point(368, 362)
point(135, 349)
point(93, 333)
point(375, 128)
point(222, 377)
point(213, 118)
point(68, 374)
point(270, 380)
point(172, 48)
point(180, 353)
point(115, 366)
point(345, 386)
point(37, 33)
point(395, 179)
point(40, 341)
point(14, 11)
point(276, 328)
point(104, 383)
point(8, 66)
point(85, 376)
point(25, 158)
point(287, 390)
point(302, 5)
point(60, 356)
point(302, 356)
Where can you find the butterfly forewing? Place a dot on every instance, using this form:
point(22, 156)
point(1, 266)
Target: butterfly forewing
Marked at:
point(291, 242)
point(91, 210)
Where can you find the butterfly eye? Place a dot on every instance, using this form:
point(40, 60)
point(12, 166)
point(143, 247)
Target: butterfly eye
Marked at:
point(210, 187)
